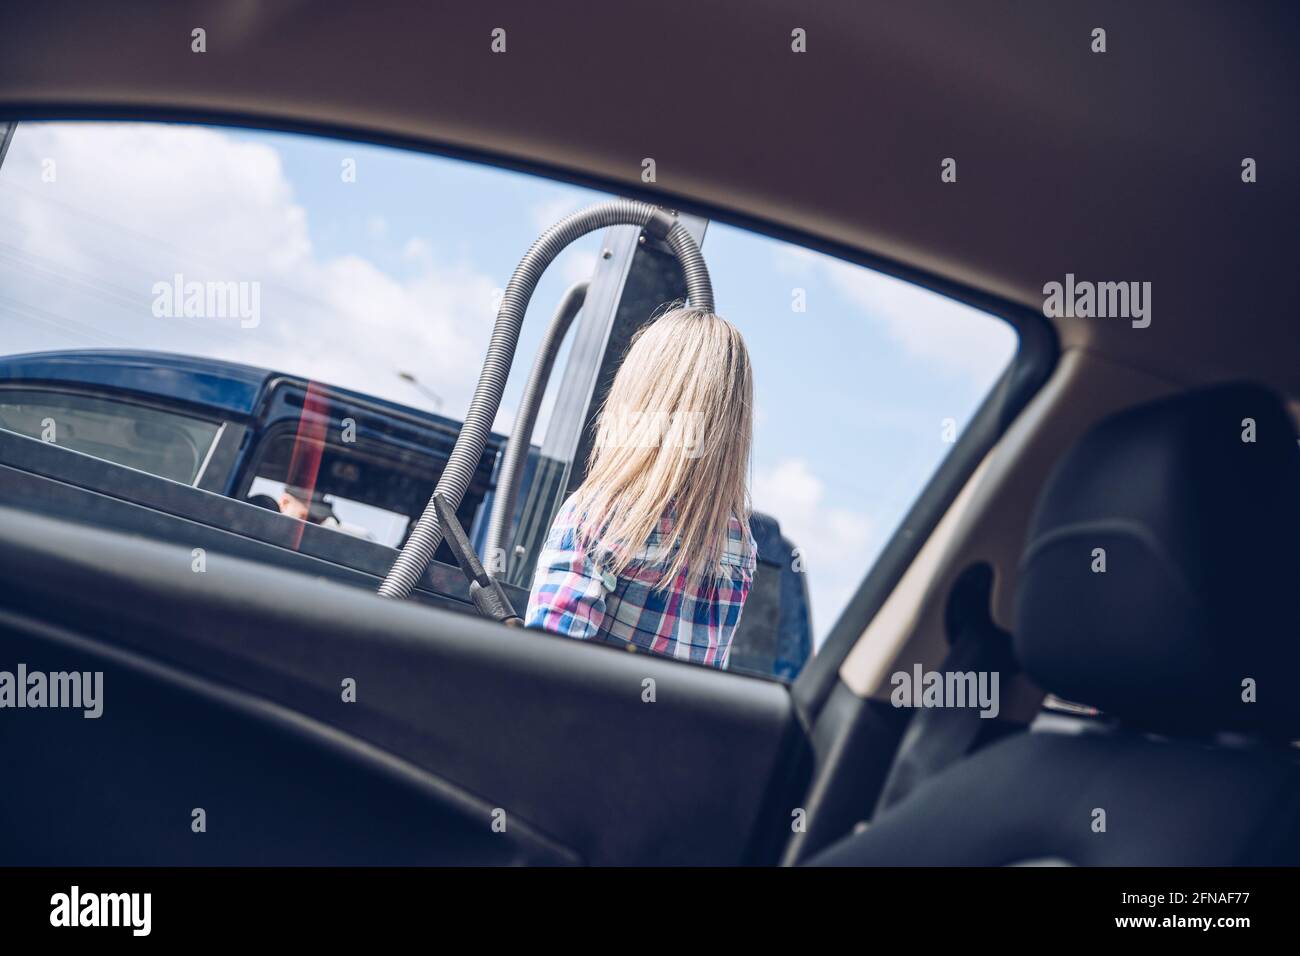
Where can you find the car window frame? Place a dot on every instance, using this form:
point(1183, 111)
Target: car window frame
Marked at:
point(1036, 355)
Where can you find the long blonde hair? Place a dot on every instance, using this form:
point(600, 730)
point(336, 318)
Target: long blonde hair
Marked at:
point(675, 430)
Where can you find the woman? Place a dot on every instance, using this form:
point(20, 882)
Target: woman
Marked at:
point(654, 549)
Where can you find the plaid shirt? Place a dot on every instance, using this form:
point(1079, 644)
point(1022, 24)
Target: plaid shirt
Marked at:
point(574, 597)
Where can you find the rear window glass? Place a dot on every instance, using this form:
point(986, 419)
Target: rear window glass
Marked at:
point(162, 443)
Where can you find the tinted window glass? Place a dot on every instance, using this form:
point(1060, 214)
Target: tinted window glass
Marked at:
point(162, 443)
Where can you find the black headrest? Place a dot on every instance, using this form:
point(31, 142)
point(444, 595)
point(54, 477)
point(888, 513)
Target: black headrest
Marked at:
point(1193, 505)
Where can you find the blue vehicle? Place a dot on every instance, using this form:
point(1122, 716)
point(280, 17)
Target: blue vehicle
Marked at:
point(231, 441)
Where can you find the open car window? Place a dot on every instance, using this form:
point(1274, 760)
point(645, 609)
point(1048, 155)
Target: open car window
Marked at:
point(298, 324)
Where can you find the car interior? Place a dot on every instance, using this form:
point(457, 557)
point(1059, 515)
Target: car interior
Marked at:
point(1139, 704)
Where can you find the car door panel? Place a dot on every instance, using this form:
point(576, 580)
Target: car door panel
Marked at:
point(601, 756)
point(179, 770)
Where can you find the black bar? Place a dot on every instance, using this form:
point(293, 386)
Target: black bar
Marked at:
point(1045, 905)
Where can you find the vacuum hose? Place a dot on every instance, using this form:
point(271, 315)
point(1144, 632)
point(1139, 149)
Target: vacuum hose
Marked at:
point(463, 462)
point(511, 474)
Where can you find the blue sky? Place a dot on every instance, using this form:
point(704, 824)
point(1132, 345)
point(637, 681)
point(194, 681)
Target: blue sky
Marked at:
point(396, 272)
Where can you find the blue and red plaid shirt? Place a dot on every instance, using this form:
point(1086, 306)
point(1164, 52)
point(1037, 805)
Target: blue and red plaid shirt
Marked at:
point(572, 595)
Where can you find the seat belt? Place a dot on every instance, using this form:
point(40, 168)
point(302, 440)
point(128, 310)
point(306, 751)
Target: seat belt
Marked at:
point(937, 737)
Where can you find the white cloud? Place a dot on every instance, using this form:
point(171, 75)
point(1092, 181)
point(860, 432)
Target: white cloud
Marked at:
point(836, 543)
point(134, 205)
point(577, 265)
point(795, 260)
point(548, 213)
point(954, 337)
point(418, 250)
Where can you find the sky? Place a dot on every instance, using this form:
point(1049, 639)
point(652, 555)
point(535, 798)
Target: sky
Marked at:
point(398, 269)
